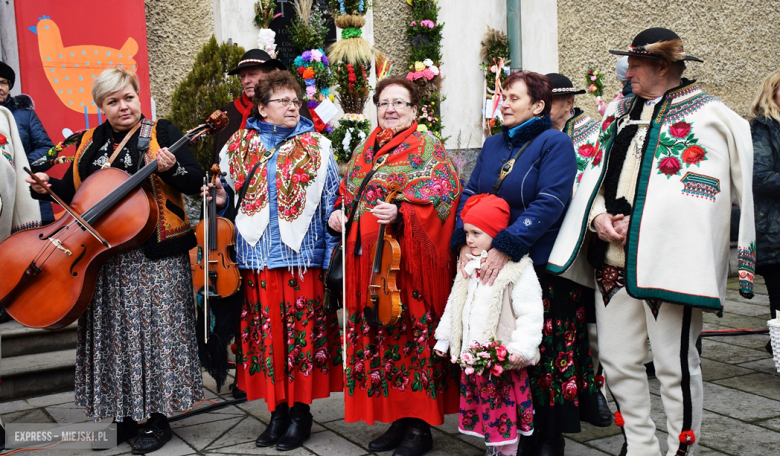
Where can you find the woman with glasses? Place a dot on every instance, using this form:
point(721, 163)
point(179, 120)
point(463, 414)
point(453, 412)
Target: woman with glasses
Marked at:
point(289, 352)
point(393, 375)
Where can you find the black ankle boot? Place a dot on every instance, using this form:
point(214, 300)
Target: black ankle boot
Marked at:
point(391, 438)
point(280, 421)
point(417, 440)
point(527, 443)
point(602, 417)
point(551, 445)
point(156, 433)
point(299, 430)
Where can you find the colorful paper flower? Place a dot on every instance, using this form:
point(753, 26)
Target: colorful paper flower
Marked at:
point(419, 66)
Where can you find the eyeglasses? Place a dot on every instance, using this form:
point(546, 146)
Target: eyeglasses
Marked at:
point(397, 104)
point(285, 102)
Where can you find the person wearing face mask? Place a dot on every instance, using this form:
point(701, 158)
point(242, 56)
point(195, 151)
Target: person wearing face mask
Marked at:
point(281, 184)
point(537, 166)
point(136, 352)
point(393, 375)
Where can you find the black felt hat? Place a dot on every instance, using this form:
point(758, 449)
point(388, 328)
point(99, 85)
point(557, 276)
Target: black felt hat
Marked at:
point(561, 85)
point(8, 73)
point(257, 57)
point(658, 43)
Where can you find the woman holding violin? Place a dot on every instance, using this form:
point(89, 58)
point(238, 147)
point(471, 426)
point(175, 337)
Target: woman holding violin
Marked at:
point(289, 353)
point(393, 375)
point(137, 356)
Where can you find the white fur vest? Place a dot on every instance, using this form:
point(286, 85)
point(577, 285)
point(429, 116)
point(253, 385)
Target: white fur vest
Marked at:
point(511, 310)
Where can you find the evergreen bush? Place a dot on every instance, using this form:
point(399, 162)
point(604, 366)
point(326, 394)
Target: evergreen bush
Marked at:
point(206, 88)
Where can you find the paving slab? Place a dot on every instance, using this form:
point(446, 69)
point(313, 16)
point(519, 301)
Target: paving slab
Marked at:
point(733, 320)
point(201, 419)
point(574, 448)
point(758, 299)
point(764, 365)
point(761, 384)
point(738, 404)
point(245, 431)
point(730, 354)
point(328, 409)
point(251, 448)
point(14, 406)
point(773, 424)
point(737, 438)
point(52, 399)
point(68, 413)
point(716, 370)
point(28, 416)
point(328, 442)
point(748, 308)
point(200, 437)
point(754, 341)
point(359, 433)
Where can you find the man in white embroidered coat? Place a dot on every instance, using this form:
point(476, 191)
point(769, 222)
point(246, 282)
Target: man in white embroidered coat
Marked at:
point(652, 216)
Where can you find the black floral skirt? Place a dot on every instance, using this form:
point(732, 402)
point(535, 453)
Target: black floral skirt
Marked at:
point(562, 383)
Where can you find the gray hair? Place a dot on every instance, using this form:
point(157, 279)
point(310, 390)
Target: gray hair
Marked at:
point(111, 81)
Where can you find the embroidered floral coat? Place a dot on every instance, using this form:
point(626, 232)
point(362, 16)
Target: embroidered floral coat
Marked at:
point(697, 153)
point(584, 133)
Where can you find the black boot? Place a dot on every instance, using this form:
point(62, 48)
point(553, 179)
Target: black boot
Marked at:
point(624, 450)
point(391, 438)
point(154, 436)
point(299, 430)
point(602, 417)
point(551, 445)
point(417, 440)
point(280, 421)
point(525, 447)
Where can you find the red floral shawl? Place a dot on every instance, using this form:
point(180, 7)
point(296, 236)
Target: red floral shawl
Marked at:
point(431, 191)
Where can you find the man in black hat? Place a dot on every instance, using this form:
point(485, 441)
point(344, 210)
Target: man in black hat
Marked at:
point(652, 216)
point(34, 137)
point(255, 64)
point(584, 133)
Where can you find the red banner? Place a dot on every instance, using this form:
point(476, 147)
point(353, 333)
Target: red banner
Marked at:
point(64, 46)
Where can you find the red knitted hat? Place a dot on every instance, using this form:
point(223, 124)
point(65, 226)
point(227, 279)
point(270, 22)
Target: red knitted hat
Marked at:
point(487, 212)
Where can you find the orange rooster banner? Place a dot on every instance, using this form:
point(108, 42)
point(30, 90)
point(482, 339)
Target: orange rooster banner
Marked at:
point(64, 46)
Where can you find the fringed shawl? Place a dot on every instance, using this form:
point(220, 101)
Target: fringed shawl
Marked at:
point(431, 190)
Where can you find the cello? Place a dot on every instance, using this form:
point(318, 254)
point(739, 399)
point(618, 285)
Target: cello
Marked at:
point(383, 306)
point(50, 272)
point(216, 274)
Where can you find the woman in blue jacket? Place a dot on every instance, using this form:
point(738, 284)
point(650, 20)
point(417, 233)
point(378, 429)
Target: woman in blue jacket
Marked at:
point(289, 353)
point(538, 189)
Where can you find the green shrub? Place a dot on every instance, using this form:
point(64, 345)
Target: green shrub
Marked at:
point(206, 88)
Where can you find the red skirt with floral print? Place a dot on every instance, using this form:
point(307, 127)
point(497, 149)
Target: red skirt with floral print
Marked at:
point(393, 373)
point(289, 350)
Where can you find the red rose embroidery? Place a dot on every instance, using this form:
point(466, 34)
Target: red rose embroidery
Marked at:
point(680, 129)
point(570, 389)
point(597, 160)
point(3, 140)
point(693, 155)
point(564, 361)
point(607, 122)
point(587, 150)
point(669, 166)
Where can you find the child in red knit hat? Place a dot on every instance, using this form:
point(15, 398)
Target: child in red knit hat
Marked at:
point(495, 404)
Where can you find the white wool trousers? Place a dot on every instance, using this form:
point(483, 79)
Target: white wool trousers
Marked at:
point(624, 326)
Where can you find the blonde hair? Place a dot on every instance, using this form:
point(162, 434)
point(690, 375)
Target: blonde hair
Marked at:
point(764, 102)
point(111, 81)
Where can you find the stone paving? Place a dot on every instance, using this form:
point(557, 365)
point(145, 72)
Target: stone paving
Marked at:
point(741, 409)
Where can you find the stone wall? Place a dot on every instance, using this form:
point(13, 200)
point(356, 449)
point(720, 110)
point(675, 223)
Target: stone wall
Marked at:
point(176, 30)
point(737, 39)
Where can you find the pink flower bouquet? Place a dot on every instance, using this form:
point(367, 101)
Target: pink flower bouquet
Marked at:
point(488, 358)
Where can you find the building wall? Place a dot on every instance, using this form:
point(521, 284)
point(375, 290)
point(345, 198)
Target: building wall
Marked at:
point(391, 17)
point(737, 39)
point(176, 30)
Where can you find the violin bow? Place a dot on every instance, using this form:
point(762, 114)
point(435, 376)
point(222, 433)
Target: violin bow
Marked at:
point(68, 209)
point(205, 263)
point(345, 313)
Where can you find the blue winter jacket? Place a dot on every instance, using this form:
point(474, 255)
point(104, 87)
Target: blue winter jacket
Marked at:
point(34, 138)
point(317, 245)
point(538, 189)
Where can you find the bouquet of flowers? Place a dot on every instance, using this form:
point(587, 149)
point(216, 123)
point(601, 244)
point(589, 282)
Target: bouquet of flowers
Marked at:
point(312, 70)
point(264, 15)
point(595, 82)
point(488, 358)
point(353, 129)
point(422, 70)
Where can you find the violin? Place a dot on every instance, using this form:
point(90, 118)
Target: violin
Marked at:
point(50, 272)
point(216, 274)
point(383, 306)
